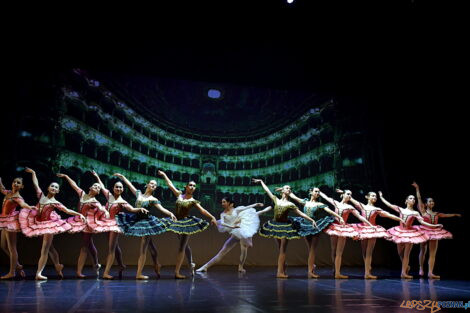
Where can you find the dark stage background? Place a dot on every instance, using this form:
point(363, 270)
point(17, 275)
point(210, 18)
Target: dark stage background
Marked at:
point(392, 99)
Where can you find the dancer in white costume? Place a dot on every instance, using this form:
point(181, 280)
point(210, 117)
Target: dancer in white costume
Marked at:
point(241, 223)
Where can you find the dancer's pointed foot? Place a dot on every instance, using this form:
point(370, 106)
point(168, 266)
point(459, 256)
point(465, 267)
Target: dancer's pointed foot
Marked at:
point(241, 269)
point(19, 268)
point(370, 276)
point(107, 276)
point(8, 276)
point(340, 276)
point(202, 269)
point(193, 267)
point(97, 268)
point(40, 277)
point(80, 275)
point(282, 275)
point(406, 276)
point(432, 276)
point(421, 271)
point(58, 269)
point(313, 275)
point(179, 276)
point(141, 277)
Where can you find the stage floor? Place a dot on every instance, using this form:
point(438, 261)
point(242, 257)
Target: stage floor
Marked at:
point(224, 290)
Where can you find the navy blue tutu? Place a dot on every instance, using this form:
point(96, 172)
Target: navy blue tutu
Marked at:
point(280, 230)
point(140, 224)
point(186, 226)
point(305, 227)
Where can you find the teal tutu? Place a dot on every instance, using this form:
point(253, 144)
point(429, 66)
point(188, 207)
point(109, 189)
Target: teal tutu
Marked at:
point(186, 226)
point(305, 227)
point(140, 224)
point(280, 230)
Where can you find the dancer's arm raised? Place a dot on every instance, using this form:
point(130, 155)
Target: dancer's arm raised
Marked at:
point(127, 182)
point(206, 213)
point(421, 206)
point(266, 189)
point(391, 206)
point(34, 178)
point(72, 183)
point(172, 187)
point(449, 215)
point(103, 188)
point(2, 188)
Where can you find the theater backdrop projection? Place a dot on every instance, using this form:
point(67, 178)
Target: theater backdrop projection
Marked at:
point(110, 125)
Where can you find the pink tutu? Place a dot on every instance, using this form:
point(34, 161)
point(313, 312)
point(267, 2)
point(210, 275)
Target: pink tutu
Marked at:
point(77, 224)
point(10, 222)
point(368, 232)
point(413, 234)
point(31, 227)
point(98, 223)
point(346, 230)
point(436, 233)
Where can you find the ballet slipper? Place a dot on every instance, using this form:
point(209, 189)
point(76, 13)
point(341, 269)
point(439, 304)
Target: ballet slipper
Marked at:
point(40, 277)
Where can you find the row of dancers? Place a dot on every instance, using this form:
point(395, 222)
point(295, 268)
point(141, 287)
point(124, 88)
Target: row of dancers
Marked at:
point(242, 223)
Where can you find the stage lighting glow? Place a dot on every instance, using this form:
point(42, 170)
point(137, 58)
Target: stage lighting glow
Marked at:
point(290, 1)
point(214, 93)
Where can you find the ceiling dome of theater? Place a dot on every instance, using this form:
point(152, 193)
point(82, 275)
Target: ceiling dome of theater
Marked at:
point(210, 108)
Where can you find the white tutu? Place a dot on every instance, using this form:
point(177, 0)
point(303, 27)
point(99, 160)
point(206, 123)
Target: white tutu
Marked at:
point(247, 219)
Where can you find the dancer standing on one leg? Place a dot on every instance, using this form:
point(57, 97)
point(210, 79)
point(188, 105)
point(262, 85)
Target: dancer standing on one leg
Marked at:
point(368, 235)
point(44, 221)
point(340, 232)
point(434, 234)
point(281, 227)
point(323, 217)
point(93, 212)
point(10, 225)
point(242, 223)
point(406, 234)
point(115, 205)
point(186, 225)
point(144, 224)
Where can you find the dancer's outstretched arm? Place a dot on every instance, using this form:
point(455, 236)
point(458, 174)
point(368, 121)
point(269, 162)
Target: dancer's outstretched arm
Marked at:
point(391, 206)
point(360, 217)
point(305, 216)
point(449, 215)
point(127, 182)
point(421, 206)
point(71, 182)
point(251, 206)
point(421, 221)
point(296, 199)
point(357, 204)
point(34, 178)
point(206, 213)
point(165, 211)
point(103, 188)
point(266, 189)
point(331, 212)
point(267, 209)
point(328, 199)
point(71, 212)
point(390, 216)
point(172, 187)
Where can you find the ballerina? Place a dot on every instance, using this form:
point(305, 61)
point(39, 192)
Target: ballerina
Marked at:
point(10, 225)
point(434, 234)
point(323, 217)
point(242, 223)
point(44, 221)
point(368, 235)
point(116, 204)
point(282, 227)
point(94, 213)
point(186, 225)
point(144, 224)
point(406, 234)
point(339, 232)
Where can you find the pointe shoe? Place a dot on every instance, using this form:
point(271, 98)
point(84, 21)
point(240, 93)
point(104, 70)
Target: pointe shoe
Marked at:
point(80, 275)
point(107, 276)
point(313, 275)
point(8, 276)
point(202, 269)
point(340, 276)
point(432, 276)
point(59, 269)
point(241, 270)
point(142, 277)
point(406, 276)
point(193, 266)
point(40, 277)
point(281, 275)
point(19, 268)
point(179, 276)
point(97, 268)
point(421, 272)
point(369, 276)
